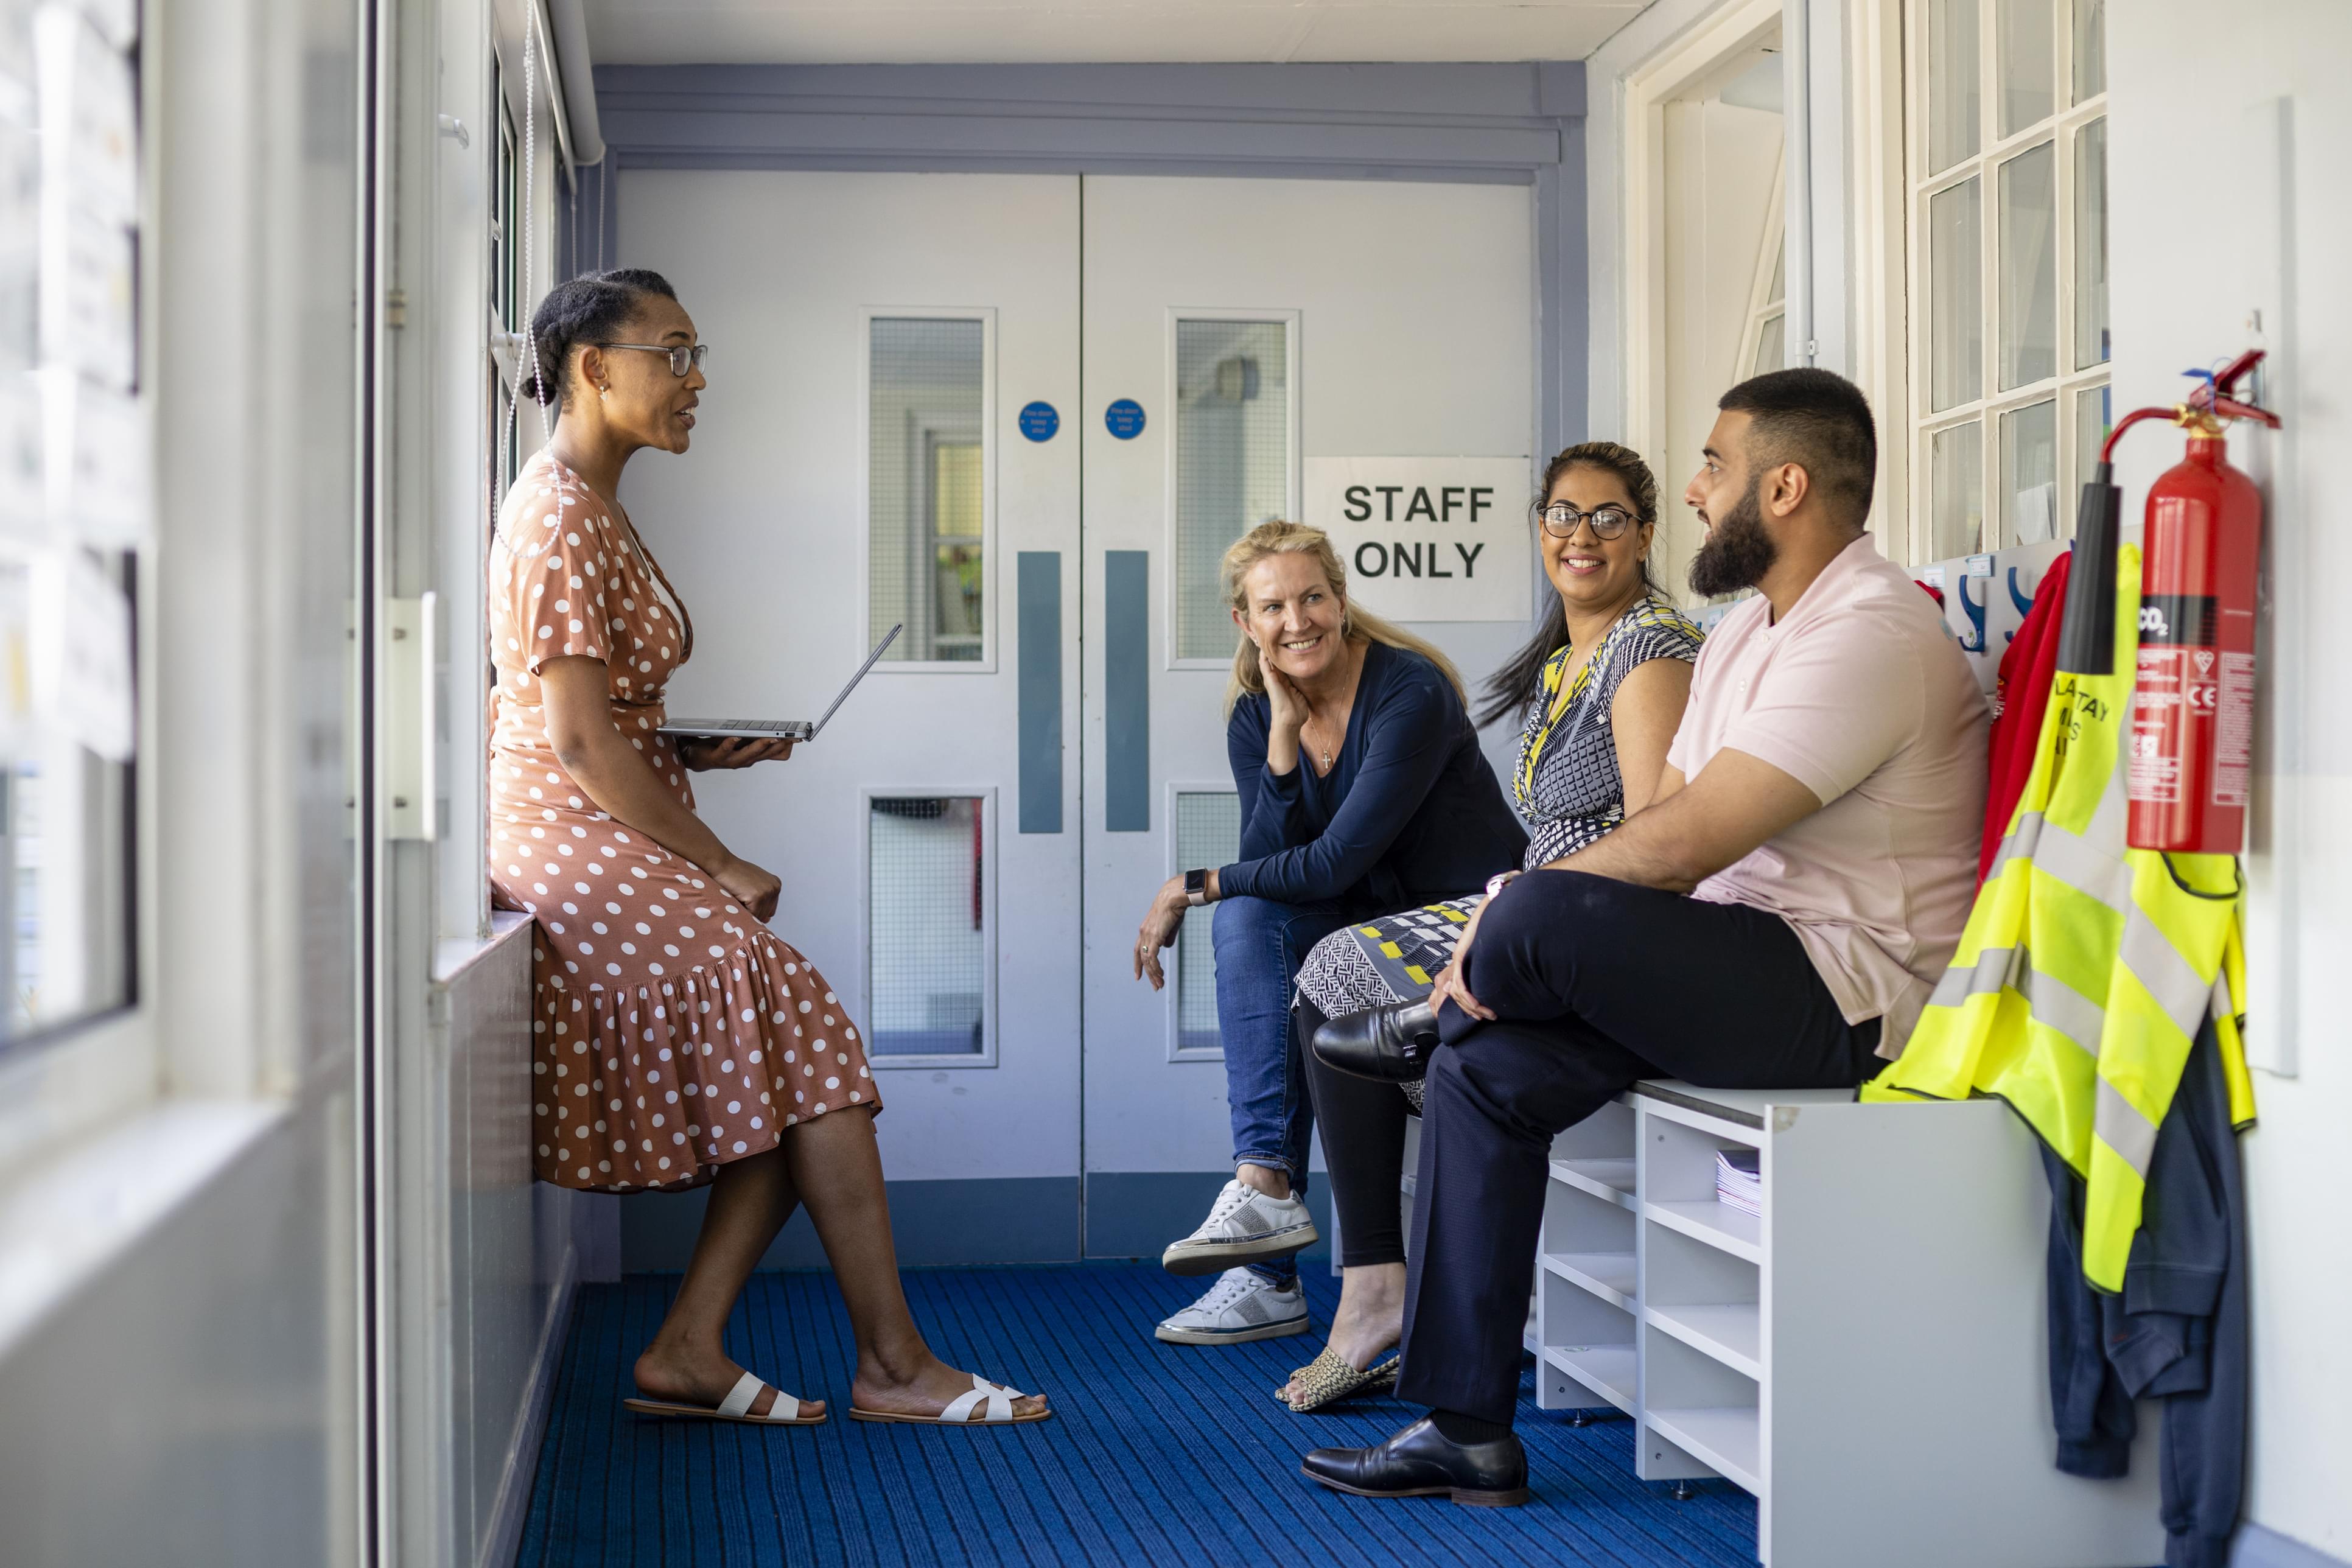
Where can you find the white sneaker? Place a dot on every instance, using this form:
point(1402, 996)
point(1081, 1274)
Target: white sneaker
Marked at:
point(1243, 1227)
point(1240, 1306)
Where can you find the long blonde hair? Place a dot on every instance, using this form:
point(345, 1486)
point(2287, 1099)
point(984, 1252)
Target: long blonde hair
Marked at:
point(1280, 538)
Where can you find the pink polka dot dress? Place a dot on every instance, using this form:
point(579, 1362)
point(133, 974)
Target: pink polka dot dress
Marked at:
point(673, 1032)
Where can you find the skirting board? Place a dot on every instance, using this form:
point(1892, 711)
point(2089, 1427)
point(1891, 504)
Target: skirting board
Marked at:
point(502, 1531)
point(1006, 1220)
point(2259, 1548)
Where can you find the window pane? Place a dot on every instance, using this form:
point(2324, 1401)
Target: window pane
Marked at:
point(2029, 473)
point(1956, 502)
point(1232, 462)
point(1779, 277)
point(2027, 65)
point(1209, 834)
point(926, 486)
point(2029, 267)
point(926, 913)
point(1956, 294)
point(1771, 344)
point(2092, 423)
point(2090, 48)
point(1954, 77)
point(2091, 346)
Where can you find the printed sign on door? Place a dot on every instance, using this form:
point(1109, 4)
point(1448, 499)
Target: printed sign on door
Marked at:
point(1428, 539)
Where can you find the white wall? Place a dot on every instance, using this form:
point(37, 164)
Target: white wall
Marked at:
point(2191, 245)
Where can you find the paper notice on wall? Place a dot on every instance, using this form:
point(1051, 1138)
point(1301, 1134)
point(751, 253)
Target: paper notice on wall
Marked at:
point(99, 487)
point(1429, 539)
point(88, 285)
point(2034, 513)
point(81, 654)
point(89, 118)
point(23, 442)
point(20, 247)
point(117, 21)
point(15, 657)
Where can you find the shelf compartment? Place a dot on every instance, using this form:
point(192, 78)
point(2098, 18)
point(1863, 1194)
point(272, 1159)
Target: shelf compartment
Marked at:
point(1606, 1370)
point(1732, 1334)
point(1715, 1223)
point(1612, 1181)
point(1727, 1437)
point(1607, 1275)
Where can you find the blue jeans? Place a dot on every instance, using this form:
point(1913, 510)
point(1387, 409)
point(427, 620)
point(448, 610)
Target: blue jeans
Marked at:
point(1260, 945)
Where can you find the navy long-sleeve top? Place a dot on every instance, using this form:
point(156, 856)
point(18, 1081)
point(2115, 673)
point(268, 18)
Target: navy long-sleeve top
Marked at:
point(1409, 813)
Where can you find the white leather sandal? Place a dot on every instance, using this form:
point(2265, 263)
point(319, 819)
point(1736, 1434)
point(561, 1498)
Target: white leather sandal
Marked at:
point(736, 1406)
point(997, 1398)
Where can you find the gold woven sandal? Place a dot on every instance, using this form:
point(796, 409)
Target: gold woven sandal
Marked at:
point(1328, 1379)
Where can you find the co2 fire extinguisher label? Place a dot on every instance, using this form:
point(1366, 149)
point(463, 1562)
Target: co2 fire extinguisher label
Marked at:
point(2233, 749)
point(2167, 702)
point(2173, 620)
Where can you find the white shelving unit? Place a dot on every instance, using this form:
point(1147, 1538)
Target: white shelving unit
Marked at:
point(1869, 1357)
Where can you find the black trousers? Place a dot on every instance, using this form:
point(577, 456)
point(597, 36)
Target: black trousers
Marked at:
point(1361, 1124)
point(1596, 983)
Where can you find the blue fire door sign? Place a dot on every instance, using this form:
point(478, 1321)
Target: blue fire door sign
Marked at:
point(1124, 418)
point(1039, 421)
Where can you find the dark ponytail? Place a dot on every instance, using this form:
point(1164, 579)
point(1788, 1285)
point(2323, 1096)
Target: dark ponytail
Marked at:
point(1515, 687)
point(585, 309)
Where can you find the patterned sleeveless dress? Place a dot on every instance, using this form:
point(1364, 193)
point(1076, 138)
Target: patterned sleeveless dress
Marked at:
point(672, 1031)
point(1566, 787)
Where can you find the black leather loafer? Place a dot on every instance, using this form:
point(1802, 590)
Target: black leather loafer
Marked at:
point(1421, 1461)
point(1389, 1044)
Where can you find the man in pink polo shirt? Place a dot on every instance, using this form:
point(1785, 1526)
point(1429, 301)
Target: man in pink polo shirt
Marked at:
point(1776, 918)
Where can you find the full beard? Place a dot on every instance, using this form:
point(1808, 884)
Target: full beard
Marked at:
point(1738, 552)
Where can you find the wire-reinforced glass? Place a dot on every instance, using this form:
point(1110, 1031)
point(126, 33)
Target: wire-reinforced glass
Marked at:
point(926, 926)
point(1207, 835)
point(1232, 462)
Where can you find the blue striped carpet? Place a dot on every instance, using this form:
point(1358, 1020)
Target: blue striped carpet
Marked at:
point(1157, 1453)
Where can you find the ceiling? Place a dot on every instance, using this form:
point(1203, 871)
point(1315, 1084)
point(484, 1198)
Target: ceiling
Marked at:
point(938, 32)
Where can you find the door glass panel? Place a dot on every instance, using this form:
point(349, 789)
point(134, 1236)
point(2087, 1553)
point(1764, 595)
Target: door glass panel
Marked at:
point(2091, 345)
point(1208, 833)
point(1956, 294)
point(1954, 78)
point(2027, 65)
point(927, 485)
point(2090, 48)
point(2029, 473)
point(1232, 462)
point(1771, 344)
point(2091, 426)
point(1956, 467)
point(2029, 267)
point(927, 927)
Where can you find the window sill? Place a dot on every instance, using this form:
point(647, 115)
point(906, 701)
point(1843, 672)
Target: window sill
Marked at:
point(60, 1228)
point(452, 956)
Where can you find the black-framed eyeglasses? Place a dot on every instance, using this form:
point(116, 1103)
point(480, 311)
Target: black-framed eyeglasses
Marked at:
point(1559, 521)
point(681, 357)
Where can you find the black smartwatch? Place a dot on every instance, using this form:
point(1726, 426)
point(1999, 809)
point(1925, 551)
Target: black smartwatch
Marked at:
point(1196, 887)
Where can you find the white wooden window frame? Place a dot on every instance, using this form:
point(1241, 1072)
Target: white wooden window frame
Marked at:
point(990, 923)
point(1174, 994)
point(2060, 128)
point(1293, 500)
point(992, 595)
point(1763, 304)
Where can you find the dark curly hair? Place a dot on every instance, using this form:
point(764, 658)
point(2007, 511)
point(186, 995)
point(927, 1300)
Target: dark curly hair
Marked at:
point(1511, 689)
point(588, 309)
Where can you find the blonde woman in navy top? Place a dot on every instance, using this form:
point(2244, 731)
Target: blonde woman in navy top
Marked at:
point(1362, 789)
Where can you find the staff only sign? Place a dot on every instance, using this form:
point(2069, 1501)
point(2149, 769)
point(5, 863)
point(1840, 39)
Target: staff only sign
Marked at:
point(1428, 539)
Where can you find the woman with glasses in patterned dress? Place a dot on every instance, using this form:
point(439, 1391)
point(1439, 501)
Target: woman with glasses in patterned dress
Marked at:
point(1602, 684)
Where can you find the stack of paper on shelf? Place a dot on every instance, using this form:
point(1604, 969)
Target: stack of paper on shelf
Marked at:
point(1740, 1180)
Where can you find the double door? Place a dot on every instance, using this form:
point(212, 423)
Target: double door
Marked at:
point(1024, 416)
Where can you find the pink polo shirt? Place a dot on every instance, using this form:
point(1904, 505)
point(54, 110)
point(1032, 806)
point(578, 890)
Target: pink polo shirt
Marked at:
point(1859, 695)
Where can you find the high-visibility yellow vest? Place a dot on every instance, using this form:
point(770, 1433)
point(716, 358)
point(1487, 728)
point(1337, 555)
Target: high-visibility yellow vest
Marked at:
point(2088, 967)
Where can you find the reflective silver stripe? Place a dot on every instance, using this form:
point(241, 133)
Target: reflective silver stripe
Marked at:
point(2221, 1007)
point(2149, 954)
point(2079, 863)
point(2065, 1010)
point(2019, 842)
point(1984, 977)
point(2121, 1127)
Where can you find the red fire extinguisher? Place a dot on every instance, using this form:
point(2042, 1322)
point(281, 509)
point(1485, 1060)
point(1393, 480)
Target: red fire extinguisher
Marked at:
point(2190, 755)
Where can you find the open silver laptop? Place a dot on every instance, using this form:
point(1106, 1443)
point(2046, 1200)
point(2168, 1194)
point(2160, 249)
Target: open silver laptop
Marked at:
point(776, 728)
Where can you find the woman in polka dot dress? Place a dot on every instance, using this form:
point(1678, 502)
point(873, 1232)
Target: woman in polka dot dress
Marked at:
point(677, 1042)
